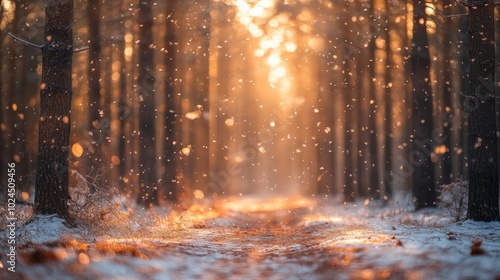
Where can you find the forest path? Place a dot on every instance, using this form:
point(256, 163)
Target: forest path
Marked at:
point(274, 239)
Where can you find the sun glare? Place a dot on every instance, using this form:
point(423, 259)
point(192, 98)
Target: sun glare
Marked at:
point(275, 34)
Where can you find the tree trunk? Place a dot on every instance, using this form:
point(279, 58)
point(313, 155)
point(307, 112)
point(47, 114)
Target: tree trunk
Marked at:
point(14, 140)
point(387, 153)
point(55, 105)
point(3, 159)
point(170, 107)
point(483, 160)
point(422, 145)
point(200, 156)
point(447, 108)
point(350, 96)
point(123, 110)
point(145, 87)
point(373, 145)
point(463, 40)
point(94, 71)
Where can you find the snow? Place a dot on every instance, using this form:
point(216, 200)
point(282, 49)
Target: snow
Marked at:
point(43, 229)
point(277, 238)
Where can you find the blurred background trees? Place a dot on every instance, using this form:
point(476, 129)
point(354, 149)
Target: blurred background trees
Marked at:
point(183, 100)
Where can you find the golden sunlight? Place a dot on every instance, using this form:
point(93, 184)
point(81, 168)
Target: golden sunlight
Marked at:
point(249, 205)
point(275, 34)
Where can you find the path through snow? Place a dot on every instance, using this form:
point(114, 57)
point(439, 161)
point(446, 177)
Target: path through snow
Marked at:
point(268, 239)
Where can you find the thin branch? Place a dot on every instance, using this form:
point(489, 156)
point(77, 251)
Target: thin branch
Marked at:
point(70, 25)
point(77, 50)
point(472, 4)
point(439, 13)
point(25, 42)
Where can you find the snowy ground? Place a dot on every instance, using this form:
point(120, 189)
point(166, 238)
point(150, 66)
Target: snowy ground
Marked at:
point(250, 238)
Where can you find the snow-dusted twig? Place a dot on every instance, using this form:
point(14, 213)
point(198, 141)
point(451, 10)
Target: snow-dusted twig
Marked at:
point(454, 198)
point(439, 13)
point(472, 4)
point(77, 50)
point(28, 43)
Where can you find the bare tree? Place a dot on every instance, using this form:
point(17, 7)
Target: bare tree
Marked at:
point(483, 160)
point(55, 105)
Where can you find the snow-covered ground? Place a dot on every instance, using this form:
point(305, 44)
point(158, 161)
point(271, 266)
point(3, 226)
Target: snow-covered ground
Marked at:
point(252, 238)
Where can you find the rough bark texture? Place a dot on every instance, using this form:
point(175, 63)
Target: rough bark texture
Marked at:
point(422, 146)
point(145, 88)
point(483, 160)
point(55, 105)
point(170, 111)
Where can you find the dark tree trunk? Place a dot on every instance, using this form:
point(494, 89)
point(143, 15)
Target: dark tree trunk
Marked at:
point(55, 105)
point(463, 40)
point(148, 189)
point(94, 71)
point(326, 102)
point(200, 134)
point(387, 180)
point(372, 147)
point(171, 109)
point(447, 108)
point(3, 159)
point(123, 111)
point(422, 145)
point(483, 160)
point(350, 97)
point(14, 140)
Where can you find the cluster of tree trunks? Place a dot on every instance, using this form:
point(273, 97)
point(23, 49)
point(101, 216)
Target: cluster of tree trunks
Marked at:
point(196, 101)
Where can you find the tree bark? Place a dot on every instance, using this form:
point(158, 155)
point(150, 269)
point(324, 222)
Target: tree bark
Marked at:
point(55, 105)
point(422, 145)
point(483, 160)
point(145, 87)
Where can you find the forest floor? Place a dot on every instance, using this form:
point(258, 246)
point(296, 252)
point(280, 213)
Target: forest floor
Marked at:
point(252, 238)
